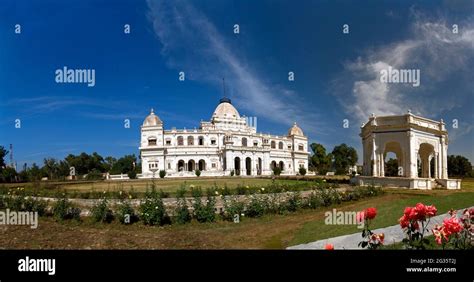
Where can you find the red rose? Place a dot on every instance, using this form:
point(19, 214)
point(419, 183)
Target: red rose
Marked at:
point(404, 222)
point(452, 226)
point(420, 212)
point(370, 213)
point(407, 211)
point(431, 211)
point(329, 247)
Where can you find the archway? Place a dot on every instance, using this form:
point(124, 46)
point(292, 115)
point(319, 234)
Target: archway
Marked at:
point(281, 165)
point(393, 160)
point(180, 165)
point(426, 153)
point(237, 165)
point(202, 165)
point(248, 166)
point(273, 165)
point(191, 165)
point(259, 167)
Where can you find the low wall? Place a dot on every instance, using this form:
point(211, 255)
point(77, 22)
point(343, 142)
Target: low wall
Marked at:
point(414, 183)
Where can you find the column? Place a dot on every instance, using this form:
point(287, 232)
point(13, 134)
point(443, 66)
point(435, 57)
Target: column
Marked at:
point(374, 158)
point(382, 165)
point(436, 165)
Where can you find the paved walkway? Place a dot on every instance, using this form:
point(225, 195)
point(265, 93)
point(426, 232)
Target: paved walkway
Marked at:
point(393, 234)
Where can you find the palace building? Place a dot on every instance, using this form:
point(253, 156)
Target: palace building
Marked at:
point(225, 145)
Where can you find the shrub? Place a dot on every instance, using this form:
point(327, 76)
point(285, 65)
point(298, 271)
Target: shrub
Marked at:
point(152, 209)
point(232, 173)
point(132, 174)
point(232, 207)
point(182, 214)
point(101, 212)
point(197, 172)
point(204, 212)
point(314, 200)
point(94, 175)
point(35, 205)
point(255, 208)
point(302, 171)
point(63, 209)
point(276, 171)
point(293, 202)
point(162, 173)
point(125, 213)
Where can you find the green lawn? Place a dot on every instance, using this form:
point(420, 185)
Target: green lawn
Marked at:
point(389, 210)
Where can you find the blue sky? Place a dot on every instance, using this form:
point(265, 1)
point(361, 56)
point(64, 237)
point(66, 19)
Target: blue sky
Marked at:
point(335, 73)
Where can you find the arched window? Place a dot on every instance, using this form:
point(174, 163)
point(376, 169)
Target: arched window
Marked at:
point(280, 145)
point(301, 147)
point(273, 144)
point(180, 141)
point(190, 140)
point(244, 142)
point(200, 141)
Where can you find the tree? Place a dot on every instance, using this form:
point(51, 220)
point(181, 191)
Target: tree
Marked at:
point(320, 161)
point(50, 167)
point(459, 166)
point(124, 165)
point(391, 167)
point(109, 162)
point(9, 174)
point(34, 173)
point(3, 153)
point(344, 156)
point(302, 171)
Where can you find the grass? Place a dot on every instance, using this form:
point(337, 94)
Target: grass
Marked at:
point(267, 232)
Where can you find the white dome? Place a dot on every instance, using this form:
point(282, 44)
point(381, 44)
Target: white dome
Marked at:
point(226, 110)
point(152, 120)
point(295, 130)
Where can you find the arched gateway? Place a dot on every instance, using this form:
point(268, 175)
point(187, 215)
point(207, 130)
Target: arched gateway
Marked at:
point(420, 146)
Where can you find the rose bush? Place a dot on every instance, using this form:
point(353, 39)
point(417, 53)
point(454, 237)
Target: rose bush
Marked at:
point(370, 240)
point(413, 218)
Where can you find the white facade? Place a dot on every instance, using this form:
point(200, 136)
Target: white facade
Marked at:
point(417, 142)
point(224, 144)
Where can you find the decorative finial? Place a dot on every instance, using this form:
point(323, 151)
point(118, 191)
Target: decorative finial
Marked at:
point(409, 111)
point(294, 124)
point(151, 111)
point(373, 114)
point(442, 121)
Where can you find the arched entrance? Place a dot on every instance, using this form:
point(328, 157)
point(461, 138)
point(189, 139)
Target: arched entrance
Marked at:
point(201, 165)
point(259, 167)
point(393, 160)
point(180, 165)
point(248, 166)
point(273, 165)
point(281, 165)
point(191, 165)
point(237, 166)
point(426, 163)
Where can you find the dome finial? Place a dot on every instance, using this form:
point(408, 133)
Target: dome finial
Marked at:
point(151, 111)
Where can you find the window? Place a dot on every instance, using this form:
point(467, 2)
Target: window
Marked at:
point(152, 142)
point(289, 147)
point(244, 142)
point(280, 145)
point(169, 165)
point(180, 141)
point(153, 165)
point(200, 141)
point(255, 143)
point(190, 140)
point(213, 165)
point(273, 145)
point(301, 147)
point(213, 141)
point(168, 142)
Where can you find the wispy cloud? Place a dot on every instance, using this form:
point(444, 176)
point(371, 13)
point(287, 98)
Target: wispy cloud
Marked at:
point(443, 58)
point(192, 43)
